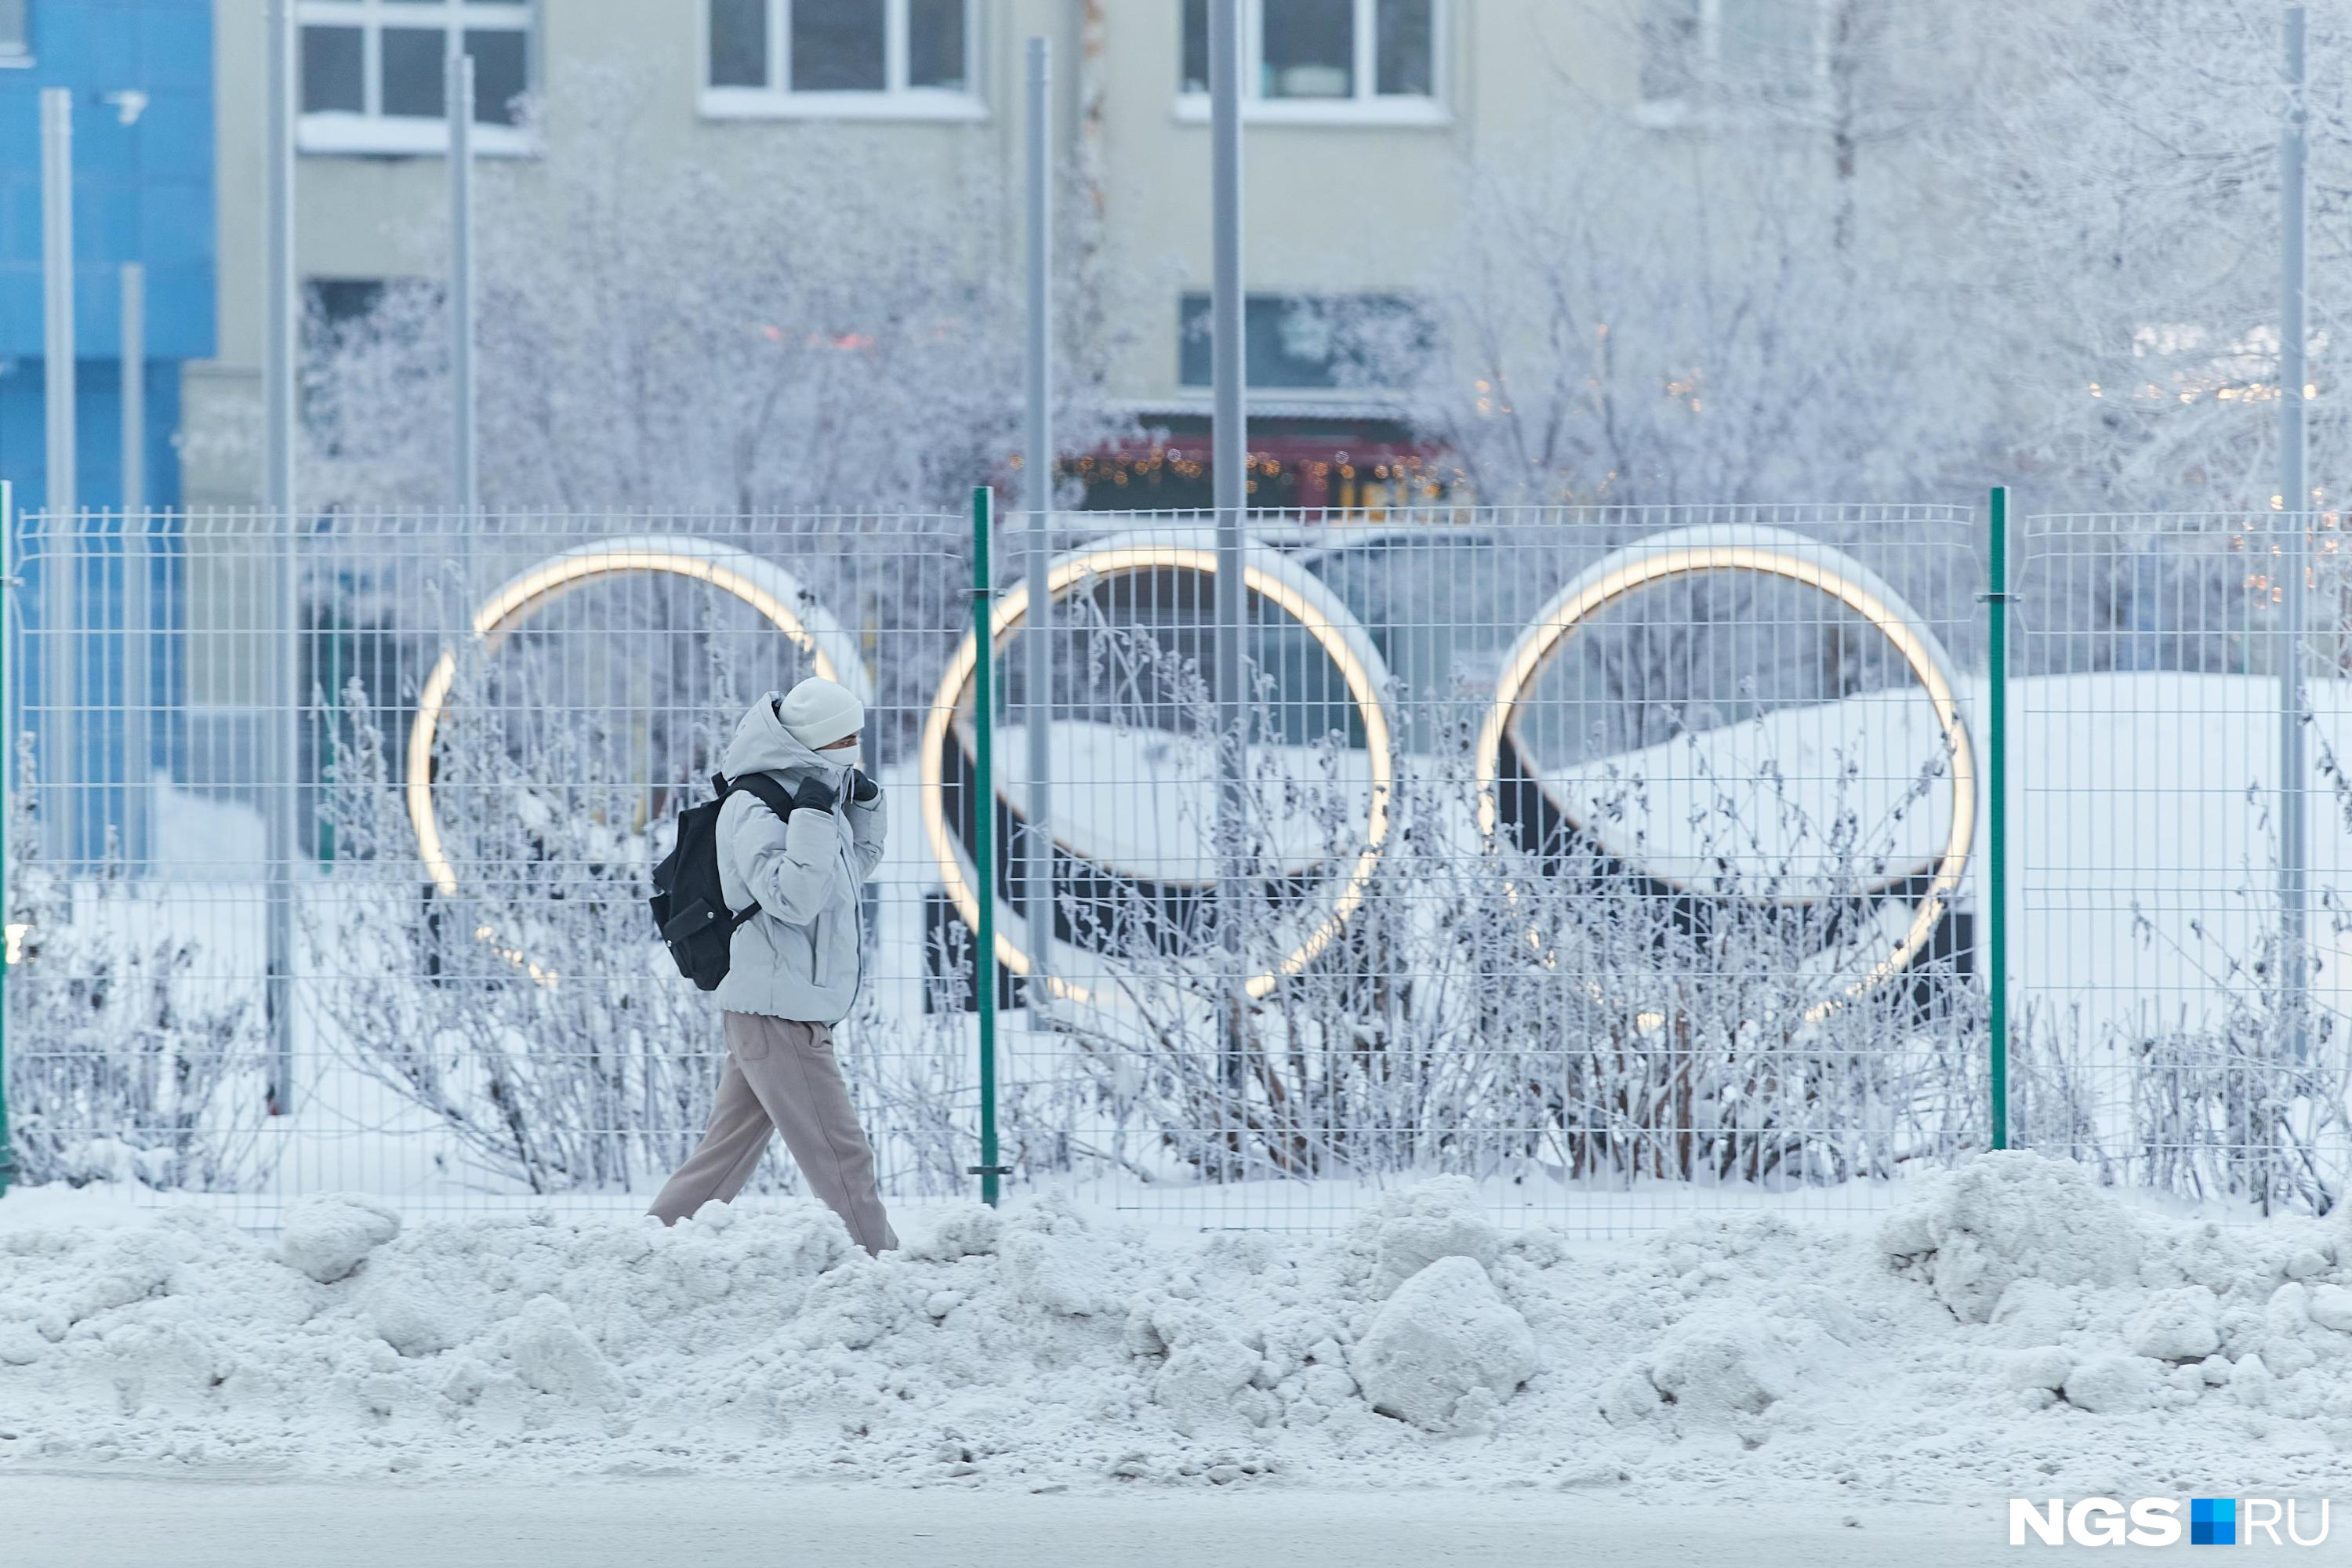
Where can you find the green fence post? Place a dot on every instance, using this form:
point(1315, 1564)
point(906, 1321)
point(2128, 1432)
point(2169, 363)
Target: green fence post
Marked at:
point(8, 815)
point(1996, 599)
point(983, 849)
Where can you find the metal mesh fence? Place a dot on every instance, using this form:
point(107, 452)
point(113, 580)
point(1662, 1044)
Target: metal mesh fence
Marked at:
point(1616, 859)
point(2173, 1031)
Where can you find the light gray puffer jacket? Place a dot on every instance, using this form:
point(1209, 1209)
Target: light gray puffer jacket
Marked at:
point(800, 957)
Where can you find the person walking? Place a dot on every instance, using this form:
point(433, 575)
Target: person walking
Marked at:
point(794, 969)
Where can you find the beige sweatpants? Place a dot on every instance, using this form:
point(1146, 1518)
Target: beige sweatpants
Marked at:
point(781, 1076)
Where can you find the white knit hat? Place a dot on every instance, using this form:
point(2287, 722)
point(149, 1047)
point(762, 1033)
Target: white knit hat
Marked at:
point(818, 711)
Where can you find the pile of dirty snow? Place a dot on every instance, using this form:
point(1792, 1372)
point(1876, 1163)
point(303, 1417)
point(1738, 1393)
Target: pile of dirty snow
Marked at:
point(2011, 1326)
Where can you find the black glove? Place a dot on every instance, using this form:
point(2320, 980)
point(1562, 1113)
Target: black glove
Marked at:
point(863, 791)
point(814, 795)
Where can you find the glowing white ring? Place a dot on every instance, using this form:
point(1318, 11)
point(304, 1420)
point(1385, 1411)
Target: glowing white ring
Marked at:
point(767, 587)
point(1779, 552)
point(1299, 595)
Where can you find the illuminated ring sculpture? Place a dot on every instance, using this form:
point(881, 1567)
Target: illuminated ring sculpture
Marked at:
point(1779, 552)
point(1281, 581)
point(767, 587)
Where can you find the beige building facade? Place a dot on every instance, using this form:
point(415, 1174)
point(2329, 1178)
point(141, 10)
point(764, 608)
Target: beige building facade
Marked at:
point(1364, 121)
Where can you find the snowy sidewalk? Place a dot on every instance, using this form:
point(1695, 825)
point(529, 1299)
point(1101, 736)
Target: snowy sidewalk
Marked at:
point(2007, 1330)
point(92, 1523)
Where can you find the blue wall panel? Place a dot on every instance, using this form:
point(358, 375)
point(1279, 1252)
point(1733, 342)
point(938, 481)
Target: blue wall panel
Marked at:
point(142, 191)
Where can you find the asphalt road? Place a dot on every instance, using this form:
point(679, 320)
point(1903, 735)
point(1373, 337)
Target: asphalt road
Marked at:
point(49, 1521)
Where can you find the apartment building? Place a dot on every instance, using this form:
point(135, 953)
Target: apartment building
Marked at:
point(139, 81)
point(1362, 121)
point(1365, 123)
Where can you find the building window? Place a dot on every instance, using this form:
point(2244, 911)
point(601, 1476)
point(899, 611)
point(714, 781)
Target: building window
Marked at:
point(333, 305)
point(1717, 60)
point(1324, 59)
point(1299, 342)
point(372, 76)
point(15, 38)
point(901, 60)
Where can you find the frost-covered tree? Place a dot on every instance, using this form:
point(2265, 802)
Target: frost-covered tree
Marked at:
point(1848, 248)
point(1719, 292)
point(661, 335)
point(2123, 168)
point(1612, 330)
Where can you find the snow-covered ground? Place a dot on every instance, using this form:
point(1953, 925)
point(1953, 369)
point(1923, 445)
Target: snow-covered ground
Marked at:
point(2009, 1329)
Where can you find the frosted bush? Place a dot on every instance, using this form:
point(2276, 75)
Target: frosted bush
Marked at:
point(128, 1059)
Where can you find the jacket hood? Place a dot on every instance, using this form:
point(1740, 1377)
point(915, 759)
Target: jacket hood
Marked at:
point(762, 745)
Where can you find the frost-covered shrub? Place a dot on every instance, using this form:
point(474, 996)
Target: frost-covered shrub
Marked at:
point(525, 1011)
point(1529, 1012)
point(128, 1058)
point(2240, 1091)
point(531, 1012)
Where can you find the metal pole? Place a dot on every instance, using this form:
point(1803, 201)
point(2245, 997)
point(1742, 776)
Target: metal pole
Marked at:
point(282, 701)
point(11, 717)
point(1037, 476)
point(60, 536)
point(2294, 503)
point(983, 848)
point(7, 817)
point(136, 614)
point(1997, 808)
point(1229, 463)
point(463, 482)
point(57, 297)
point(134, 387)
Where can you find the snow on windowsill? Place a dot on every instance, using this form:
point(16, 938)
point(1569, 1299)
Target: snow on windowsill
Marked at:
point(1280, 403)
point(1399, 111)
point(363, 135)
point(759, 103)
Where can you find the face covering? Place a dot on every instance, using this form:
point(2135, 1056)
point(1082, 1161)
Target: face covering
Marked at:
point(832, 773)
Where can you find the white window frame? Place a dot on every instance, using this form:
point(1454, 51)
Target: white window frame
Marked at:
point(1368, 107)
point(895, 101)
point(19, 54)
point(370, 133)
point(1703, 103)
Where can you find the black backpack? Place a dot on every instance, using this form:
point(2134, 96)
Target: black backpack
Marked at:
point(690, 911)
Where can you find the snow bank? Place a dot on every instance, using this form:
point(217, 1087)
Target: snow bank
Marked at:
point(327, 1238)
point(2007, 1324)
point(1443, 1343)
point(2007, 1217)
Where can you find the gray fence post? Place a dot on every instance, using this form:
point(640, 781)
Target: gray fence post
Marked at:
point(1996, 598)
point(1037, 471)
point(281, 690)
point(2294, 501)
point(61, 543)
point(1230, 464)
point(464, 481)
point(137, 611)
